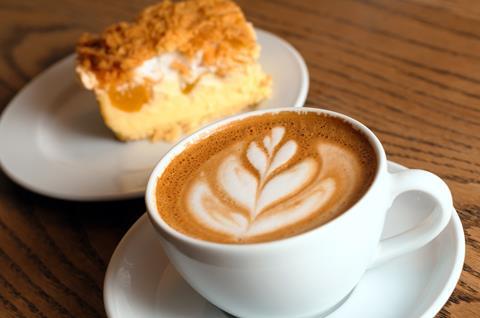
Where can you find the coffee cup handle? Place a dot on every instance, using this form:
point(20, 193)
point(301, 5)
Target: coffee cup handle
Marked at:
point(430, 227)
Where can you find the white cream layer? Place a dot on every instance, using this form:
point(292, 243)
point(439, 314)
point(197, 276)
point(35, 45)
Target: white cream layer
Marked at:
point(160, 68)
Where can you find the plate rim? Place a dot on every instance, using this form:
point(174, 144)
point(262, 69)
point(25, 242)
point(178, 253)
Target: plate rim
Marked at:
point(35, 187)
point(438, 303)
point(305, 75)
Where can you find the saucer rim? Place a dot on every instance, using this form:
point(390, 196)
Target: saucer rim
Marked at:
point(40, 188)
point(446, 290)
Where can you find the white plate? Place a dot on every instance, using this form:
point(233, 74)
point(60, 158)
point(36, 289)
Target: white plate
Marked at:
point(53, 140)
point(140, 282)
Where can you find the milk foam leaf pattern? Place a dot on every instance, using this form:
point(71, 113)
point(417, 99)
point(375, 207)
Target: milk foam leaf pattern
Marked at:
point(238, 182)
point(284, 154)
point(295, 209)
point(257, 158)
point(272, 140)
point(241, 203)
point(211, 211)
point(285, 183)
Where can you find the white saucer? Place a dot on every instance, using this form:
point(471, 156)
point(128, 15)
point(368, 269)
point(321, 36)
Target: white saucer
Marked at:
point(53, 141)
point(140, 282)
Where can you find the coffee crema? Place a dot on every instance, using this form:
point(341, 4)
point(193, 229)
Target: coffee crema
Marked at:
point(266, 177)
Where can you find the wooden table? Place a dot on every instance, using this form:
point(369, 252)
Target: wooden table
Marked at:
point(410, 70)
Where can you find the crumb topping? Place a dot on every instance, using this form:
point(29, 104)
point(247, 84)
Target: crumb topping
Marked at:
point(216, 27)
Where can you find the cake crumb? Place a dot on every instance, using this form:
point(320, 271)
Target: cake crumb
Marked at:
point(217, 28)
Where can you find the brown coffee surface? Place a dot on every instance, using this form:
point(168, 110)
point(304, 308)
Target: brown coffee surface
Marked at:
point(266, 177)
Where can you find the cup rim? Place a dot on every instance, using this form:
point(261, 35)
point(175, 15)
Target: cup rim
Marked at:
point(172, 233)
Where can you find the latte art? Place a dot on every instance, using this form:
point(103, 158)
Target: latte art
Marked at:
point(266, 177)
point(242, 204)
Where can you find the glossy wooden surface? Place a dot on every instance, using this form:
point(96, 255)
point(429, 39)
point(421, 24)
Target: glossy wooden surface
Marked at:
point(410, 70)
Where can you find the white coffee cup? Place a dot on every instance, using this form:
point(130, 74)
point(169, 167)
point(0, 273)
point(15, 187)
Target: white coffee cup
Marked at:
point(309, 273)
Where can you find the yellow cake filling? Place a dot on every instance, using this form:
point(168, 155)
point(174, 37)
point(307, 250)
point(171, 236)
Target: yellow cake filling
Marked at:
point(170, 113)
point(130, 99)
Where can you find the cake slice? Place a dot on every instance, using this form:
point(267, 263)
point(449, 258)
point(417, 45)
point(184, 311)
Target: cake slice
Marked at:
point(178, 66)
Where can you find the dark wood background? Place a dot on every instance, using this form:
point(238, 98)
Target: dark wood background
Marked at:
point(410, 70)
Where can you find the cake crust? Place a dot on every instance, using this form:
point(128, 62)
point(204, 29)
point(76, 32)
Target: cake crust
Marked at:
point(217, 28)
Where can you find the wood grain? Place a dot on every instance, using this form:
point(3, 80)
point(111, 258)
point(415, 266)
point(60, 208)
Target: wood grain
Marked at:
point(410, 70)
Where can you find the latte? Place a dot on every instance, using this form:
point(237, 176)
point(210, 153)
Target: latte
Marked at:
point(266, 177)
